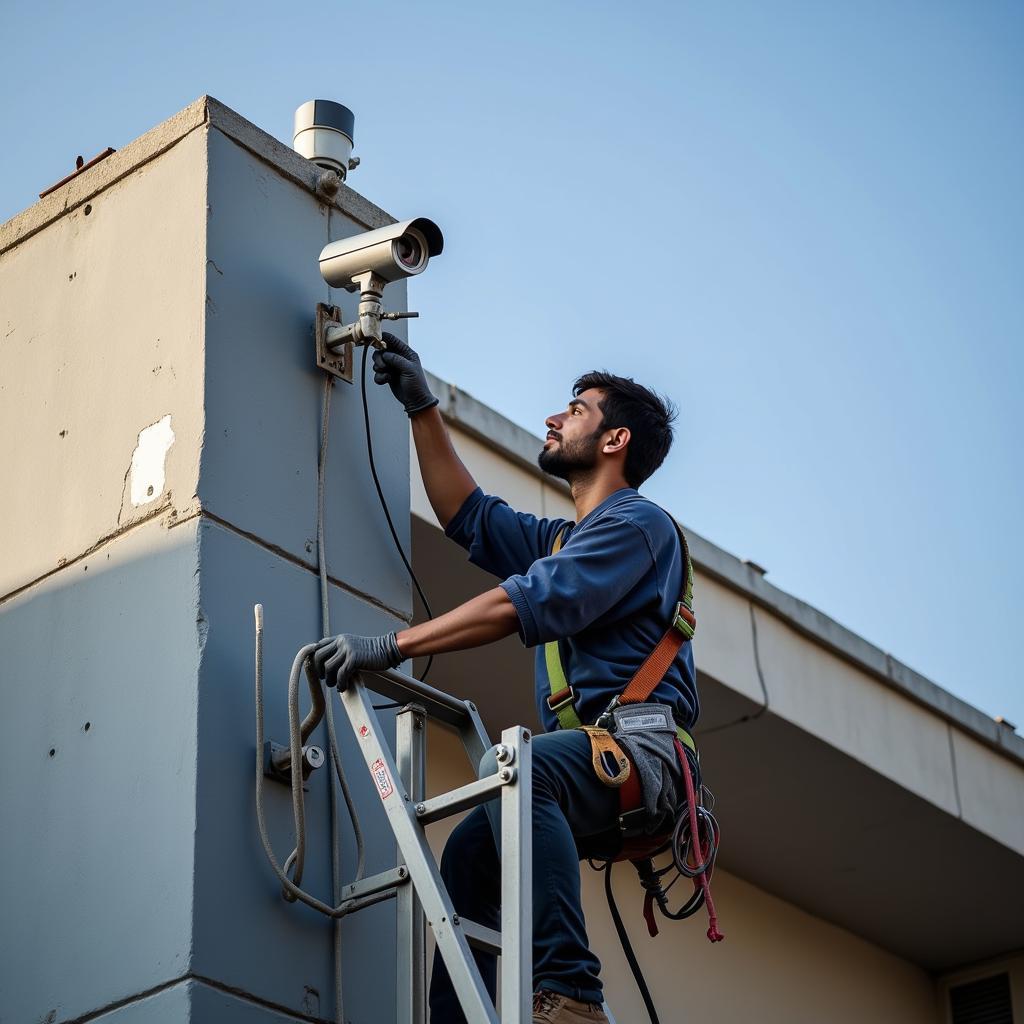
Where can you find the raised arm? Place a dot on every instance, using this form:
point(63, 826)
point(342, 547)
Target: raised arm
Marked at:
point(447, 481)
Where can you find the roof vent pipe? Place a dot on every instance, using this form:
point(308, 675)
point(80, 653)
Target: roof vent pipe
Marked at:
point(324, 133)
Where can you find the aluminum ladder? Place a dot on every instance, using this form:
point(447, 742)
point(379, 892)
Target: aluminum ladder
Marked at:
point(399, 780)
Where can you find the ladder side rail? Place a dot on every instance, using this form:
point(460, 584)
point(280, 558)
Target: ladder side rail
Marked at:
point(517, 881)
point(413, 847)
point(411, 969)
point(474, 736)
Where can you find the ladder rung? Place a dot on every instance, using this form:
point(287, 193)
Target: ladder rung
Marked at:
point(480, 936)
point(460, 799)
point(405, 689)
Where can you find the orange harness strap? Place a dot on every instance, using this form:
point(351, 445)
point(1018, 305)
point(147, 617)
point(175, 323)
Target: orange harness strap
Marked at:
point(684, 625)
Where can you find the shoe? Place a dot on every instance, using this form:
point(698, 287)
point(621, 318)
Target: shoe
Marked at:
point(554, 1008)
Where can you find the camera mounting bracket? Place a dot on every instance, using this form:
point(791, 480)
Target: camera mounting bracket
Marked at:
point(337, 360)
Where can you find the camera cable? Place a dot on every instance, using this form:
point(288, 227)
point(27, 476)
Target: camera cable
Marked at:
point(384, 504)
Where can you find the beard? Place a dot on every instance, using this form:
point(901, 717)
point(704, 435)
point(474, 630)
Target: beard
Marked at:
point(571, 459)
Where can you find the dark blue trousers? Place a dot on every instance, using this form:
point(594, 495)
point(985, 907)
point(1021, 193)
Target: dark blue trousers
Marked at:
point(574, 816)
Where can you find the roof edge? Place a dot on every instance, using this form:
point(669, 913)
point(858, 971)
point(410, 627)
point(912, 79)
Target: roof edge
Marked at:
point(501, 434)
point(205, 111)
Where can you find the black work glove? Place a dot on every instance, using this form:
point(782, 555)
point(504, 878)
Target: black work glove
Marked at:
point(399, 367)
point(339, 658)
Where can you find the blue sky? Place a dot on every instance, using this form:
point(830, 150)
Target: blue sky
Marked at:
point(802, 221)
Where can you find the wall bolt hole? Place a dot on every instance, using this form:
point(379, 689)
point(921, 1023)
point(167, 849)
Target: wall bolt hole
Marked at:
point(53, 750)
point(87, 726)
point(88, 209)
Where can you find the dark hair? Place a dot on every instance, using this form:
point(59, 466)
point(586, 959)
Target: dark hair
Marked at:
point(647, 415)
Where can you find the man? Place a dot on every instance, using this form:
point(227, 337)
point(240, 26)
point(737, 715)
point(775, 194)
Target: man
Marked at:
point(607, 595)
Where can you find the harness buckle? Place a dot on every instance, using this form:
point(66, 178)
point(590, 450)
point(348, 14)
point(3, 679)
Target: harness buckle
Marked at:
point(605, 720)
point(561, 699)
point(631, 823)
point(684, 620)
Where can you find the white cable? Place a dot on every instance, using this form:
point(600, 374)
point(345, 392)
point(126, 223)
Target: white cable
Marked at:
point(347, 907)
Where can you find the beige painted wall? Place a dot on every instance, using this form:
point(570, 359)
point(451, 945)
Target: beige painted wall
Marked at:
point(93, 353)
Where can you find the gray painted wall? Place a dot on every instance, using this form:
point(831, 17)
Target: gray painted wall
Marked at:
point(96, 848)
point(140, 890)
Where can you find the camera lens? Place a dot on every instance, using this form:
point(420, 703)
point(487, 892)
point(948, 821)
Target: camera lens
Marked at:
point(410, 251)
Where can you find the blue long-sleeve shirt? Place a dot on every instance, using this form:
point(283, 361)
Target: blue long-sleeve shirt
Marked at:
point(608, 595)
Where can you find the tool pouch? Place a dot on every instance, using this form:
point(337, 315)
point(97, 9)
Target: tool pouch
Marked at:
point(647, 735)
point(646, 718)
point(610, 763)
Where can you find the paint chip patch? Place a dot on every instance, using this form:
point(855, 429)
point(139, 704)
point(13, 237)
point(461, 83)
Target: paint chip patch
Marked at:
point(149, 460)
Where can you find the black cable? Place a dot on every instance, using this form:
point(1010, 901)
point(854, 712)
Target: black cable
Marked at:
point(384, 504)
point(683, 843)
point(627, 947)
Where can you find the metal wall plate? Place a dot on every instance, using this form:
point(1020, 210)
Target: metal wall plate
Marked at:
point(338, 363)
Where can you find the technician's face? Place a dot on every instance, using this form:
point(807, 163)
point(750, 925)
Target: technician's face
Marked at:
point(574, 437)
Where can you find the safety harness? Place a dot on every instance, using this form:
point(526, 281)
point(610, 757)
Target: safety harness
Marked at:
point(693, 853)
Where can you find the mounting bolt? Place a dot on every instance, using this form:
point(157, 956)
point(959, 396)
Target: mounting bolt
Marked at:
point(456, 919)
point(421, 808)
point(312, 758)
point(503, 754)
point(507, 774)
point(328, 184)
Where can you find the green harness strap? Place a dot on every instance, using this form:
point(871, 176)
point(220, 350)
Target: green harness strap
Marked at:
point(562, 700)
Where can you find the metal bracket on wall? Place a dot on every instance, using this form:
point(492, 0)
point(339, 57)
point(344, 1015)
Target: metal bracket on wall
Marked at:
point(277, 762)
point(339, 363)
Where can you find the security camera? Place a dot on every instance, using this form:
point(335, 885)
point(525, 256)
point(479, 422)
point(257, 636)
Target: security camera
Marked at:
point(366, 263)
point(388, 254)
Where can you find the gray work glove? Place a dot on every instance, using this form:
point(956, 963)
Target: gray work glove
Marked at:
point(339, 658)
point(399, 367)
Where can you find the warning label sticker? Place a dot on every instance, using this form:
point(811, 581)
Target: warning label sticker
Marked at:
point(382, 779)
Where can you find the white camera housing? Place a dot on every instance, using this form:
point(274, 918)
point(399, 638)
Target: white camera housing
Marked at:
point(389, 254)
point(324, 131)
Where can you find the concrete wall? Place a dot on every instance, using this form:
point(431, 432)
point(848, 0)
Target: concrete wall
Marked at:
point(258, 492)
point(158, 380)
point(102, 338)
